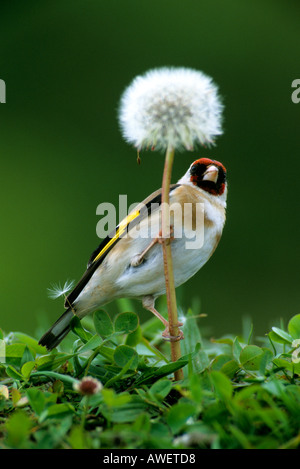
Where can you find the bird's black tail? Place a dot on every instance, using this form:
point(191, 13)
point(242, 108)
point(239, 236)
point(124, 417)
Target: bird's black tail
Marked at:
point(58, 331)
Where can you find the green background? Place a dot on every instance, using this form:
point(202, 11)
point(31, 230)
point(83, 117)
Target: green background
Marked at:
point(66, 65)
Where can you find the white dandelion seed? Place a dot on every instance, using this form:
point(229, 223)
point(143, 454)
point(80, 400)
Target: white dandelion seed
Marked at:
point(171, 107)
point(57, 290)
point(182, 319)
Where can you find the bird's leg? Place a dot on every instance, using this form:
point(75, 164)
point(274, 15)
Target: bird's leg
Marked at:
point(138, 259)
point(148, 303)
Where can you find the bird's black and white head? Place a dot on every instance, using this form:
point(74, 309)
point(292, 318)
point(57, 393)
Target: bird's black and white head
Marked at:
point(209, 175)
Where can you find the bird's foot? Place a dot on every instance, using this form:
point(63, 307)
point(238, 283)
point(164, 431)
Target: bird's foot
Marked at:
point(171, 338)
point(160, 237)
point(139, 258)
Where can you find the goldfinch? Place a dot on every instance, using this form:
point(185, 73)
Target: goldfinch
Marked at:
point(131, 266)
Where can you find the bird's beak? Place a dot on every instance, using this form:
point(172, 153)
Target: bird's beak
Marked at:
point(211, 174)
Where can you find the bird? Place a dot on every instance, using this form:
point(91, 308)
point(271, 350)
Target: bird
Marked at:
point(128, 263)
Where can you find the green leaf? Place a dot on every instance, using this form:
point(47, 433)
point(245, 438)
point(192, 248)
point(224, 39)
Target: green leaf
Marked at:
point(250, 334)
point(142, 424)
point(52, 434)
point(14, 350)
point(290, 366)
point(77, 438)
point(77, 328)
point(27, 356)
point(196, 388)
point(36, 400)
point(220, 360)
point(123, 354)
point(103, 323)
point(91, 344)
point(179, 414)
point(52, 361)
point(15, 395)
point(274, 387)
point(106, 352)
point(117, 377)
point(30, 341)
point(192, 337)
point(240, 437)
point(128, 412)
point(247, 393)
point(126, 322)
point(250, 357)
point(112, 399)
point(52, 374)
point(223, 340)
point(57, 411)
point(274, 338)
point(27, 369)
point(294, 327)
point(13, 373)
point(281, 363)
point(134, 338)
point(222, 385)
point(18, 429)
point(161, 388)
point(280, 336)
point(230, 368)
point(13, 354)
point(236, 349)
point(58, 387)
point(266, 358)
point(165, 370)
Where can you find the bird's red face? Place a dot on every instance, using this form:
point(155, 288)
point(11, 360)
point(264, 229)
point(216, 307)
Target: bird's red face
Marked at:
point(209, 175)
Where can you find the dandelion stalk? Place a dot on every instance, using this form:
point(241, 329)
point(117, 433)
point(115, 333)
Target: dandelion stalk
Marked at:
point(168, 263)
point(167, 109)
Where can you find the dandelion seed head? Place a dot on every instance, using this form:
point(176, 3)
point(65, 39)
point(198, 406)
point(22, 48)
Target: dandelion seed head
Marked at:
point(177, 107)
point(57, 290)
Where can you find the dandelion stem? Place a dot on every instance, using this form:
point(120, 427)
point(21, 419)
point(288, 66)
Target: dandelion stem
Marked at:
point(168, 264)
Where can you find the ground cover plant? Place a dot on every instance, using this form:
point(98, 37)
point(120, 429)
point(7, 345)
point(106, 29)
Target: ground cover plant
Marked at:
point(237, 392)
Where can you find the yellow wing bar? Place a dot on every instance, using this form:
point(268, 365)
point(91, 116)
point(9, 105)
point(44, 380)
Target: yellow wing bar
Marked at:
point(119, 231)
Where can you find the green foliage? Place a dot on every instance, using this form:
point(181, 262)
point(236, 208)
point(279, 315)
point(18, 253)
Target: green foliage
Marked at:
point(235, 394)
